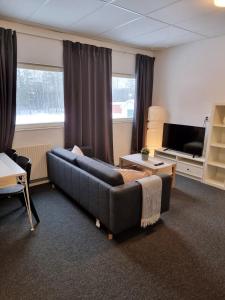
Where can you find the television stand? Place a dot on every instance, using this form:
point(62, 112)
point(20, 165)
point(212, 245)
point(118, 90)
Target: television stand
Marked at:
point(186, 164)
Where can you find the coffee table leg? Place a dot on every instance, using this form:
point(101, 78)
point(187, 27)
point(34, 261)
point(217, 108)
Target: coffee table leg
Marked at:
point(173, 175)
point(121, 163)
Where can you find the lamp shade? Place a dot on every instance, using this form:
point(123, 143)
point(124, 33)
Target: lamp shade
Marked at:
point(157, 113)
point(157, 116)
point(219, 3)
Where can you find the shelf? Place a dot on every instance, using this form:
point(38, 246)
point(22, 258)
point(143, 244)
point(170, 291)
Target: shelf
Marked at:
point(219, 114)
point(166, 157)
point(189, 161)
point(218, 145)
point(214, 171)
point(219, 125)
point(215, 182)
point(217, 164)
point(215, 175)
point(175, 154)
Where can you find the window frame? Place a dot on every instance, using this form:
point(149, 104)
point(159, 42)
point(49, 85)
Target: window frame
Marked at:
point(123, 120)
point(39, 126)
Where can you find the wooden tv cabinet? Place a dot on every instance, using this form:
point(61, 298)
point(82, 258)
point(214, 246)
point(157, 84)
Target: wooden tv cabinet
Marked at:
point(186, 164)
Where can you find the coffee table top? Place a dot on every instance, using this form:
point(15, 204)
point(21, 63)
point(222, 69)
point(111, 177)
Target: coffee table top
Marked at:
point(150, 163)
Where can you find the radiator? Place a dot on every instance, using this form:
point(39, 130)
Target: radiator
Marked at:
point(37, 154)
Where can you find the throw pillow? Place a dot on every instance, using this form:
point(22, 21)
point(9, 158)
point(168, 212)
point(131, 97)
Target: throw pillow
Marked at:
point(132, 175)
point(76, 150)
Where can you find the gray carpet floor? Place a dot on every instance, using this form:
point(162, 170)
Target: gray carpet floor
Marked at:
point(67, 257)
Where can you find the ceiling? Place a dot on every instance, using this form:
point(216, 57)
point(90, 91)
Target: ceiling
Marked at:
point(141, 23)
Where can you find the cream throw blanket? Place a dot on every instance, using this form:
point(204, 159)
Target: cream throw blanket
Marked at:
point(151, 199)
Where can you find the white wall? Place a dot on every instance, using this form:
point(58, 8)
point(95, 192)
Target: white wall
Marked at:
point(44, 47)
point(54, 135)
point(189, 79)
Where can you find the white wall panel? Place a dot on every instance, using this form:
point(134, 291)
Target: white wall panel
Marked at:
point(189, 79)
point(123, 63)
point(121, 138)
point(39, 50)
point(44, 51)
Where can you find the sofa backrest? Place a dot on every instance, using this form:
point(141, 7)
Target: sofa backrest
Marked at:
point(100, 170)
point(85, 149)
point(65, 154)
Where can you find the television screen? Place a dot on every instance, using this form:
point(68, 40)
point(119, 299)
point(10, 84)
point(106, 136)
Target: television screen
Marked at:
point(183, 138)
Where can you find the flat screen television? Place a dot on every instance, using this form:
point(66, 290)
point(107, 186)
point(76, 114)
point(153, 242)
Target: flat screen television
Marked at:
point(183, 138)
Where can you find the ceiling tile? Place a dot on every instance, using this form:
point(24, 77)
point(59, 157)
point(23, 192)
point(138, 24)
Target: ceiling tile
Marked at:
point(183, 10)
point(123, 20)
point(19, 9)
point(210, 25)
point(167, 37)
point(141, 26)
point(144, 6)
point(63, 13)
point(104, 19)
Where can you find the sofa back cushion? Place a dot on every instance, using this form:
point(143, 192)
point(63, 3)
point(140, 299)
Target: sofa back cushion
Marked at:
point(65, 154)
point(100, 170)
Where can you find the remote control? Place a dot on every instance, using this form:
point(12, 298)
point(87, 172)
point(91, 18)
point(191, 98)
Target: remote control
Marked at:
point(159, 164)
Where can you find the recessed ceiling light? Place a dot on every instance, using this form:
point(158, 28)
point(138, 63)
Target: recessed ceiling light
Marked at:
point(219, 3)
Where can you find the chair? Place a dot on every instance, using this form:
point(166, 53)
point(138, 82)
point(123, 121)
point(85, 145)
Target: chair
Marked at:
point(11, 153)
point(18, 189)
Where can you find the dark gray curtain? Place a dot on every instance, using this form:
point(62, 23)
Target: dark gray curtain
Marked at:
point(88, 98)
point(8, 65)
point(144, 85)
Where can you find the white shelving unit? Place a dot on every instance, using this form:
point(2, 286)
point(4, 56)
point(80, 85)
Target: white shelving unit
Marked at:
point(186, 165)
point(214, 173)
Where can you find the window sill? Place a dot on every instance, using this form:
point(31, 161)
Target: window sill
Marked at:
point(122, 120)
point(40, 126)
point(44, 126)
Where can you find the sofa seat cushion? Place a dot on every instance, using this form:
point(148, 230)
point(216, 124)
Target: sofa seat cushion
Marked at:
point(100, 170)
point(65, 154)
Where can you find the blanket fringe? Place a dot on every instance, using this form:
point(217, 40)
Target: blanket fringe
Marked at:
point(150, 221)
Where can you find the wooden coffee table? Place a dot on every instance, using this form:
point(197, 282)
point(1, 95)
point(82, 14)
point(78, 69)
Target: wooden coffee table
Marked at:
point(136, 160)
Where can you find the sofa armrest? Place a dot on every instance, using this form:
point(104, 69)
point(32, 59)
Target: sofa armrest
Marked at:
point(125, 206)
point(126, 203)
point(166, 192)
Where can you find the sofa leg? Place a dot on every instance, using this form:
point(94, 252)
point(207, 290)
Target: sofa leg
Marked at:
point(110, 236)
point(97, 223)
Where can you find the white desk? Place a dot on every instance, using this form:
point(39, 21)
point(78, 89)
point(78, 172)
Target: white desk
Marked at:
point(8, 168)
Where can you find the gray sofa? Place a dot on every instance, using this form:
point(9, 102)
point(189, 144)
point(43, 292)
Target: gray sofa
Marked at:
point(100, 189)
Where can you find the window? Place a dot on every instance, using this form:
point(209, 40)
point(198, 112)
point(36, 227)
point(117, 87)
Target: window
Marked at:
point(39, 95)
point(123, 91)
